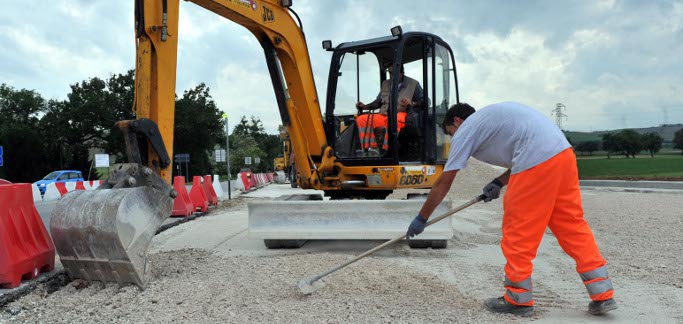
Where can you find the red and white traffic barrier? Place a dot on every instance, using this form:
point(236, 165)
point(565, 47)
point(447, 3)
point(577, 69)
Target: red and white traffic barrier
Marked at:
point(217, 187)
point(36, 193)
point(56, 190)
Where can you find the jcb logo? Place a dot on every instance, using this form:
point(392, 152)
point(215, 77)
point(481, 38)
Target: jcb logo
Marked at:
point(268, 15)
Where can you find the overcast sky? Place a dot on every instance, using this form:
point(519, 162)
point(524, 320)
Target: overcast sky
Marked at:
point(613, 64)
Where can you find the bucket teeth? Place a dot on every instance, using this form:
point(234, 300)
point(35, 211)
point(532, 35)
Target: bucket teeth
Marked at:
point(103, 235)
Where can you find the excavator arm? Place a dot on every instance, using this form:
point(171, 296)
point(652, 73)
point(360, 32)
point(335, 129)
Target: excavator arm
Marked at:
point(284, 46)
point(104, 234)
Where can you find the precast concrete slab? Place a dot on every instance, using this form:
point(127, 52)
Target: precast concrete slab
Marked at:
point(341, 220)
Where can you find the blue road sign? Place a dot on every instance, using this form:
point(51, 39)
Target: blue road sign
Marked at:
point(0, 155)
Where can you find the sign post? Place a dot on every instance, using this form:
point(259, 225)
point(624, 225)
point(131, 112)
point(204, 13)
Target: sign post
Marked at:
point(227, 148)
point(101, 161)
point(183, 158)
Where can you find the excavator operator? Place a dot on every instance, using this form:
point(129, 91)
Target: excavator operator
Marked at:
point(373, 126)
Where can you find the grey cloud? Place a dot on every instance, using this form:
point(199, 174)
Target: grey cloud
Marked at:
point(639, 64)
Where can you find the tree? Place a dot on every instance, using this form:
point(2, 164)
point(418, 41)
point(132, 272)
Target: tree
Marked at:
point(241, 147)
point(198, 128)
point(269, 145)
point(24, 153)
point(568, 139)
point(588, 146)
point(678, 140)
point(74, 126)
point(609, 144)
point(628, 142)
point(120, 94)
point(652, 142)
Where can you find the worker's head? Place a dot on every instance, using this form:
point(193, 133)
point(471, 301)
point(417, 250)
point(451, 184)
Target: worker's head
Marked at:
point(391, 71)
point(455, 116)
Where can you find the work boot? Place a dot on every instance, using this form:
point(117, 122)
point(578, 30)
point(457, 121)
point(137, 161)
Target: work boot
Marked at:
point(373, 152)
point(601, 307)
point(500, 305)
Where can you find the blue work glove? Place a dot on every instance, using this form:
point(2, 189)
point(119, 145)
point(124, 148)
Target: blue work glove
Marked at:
point(417, 226)
point(492, 190)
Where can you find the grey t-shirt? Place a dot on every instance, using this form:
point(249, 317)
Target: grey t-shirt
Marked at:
point(506, 134)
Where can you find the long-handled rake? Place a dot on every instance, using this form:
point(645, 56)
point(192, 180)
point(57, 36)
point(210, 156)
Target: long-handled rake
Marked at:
point(310, 285)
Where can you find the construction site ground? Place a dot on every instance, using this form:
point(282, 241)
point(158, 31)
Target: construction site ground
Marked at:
point(208, 271)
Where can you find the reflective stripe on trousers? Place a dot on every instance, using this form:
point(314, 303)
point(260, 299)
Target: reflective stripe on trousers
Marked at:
point(598, 283)
point(519, 293)
point(366, 124)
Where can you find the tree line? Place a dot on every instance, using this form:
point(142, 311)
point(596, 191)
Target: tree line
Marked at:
point(40, 136)
point(628, 143)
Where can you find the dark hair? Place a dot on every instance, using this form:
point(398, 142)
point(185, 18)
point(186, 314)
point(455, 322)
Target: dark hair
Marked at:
point(461, 110)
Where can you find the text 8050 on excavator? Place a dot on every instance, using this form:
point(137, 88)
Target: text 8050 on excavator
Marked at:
point(103, 234)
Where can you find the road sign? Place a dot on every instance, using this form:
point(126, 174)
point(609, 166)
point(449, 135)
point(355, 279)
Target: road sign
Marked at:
point(257, 160)
point(220, 155)
point(247, 160)
point(101, 160)
point(1, 163)
point(182, 158)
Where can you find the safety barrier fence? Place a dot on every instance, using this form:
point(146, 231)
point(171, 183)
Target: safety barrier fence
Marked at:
point(55, 190)
point(26, 249)
point(247, 181)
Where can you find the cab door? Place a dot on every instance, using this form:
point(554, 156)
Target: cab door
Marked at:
point(441, 93)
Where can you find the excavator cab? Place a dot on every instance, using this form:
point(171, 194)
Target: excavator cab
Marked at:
point(361, 72)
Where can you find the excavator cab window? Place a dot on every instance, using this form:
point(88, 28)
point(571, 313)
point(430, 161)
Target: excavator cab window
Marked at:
point(390, 132)
point(359, 79)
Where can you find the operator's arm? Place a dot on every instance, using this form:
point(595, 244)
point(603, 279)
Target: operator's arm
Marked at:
point(375, 104)
point(417, 97)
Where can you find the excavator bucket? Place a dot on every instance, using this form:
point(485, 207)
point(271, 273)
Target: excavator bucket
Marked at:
point(103, 235)
point(340, 220)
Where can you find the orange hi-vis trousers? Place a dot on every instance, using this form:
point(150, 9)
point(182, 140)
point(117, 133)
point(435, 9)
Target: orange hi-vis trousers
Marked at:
point(548, 195)
point(367, 123)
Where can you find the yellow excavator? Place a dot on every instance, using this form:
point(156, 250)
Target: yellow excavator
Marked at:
point(103, 234)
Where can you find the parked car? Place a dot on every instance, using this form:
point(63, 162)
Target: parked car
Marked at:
point(59, 176)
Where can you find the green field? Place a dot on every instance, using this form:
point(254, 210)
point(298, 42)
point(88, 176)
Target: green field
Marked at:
point(664, 166)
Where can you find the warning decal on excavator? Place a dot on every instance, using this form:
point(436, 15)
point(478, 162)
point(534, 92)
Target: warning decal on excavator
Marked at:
point(412, 170)
point(246, 4)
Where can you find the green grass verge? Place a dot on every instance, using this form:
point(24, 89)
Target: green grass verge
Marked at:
point(667, 166)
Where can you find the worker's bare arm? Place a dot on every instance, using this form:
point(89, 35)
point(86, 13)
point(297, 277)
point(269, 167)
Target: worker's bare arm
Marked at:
point(505, 177)
point(438, 192)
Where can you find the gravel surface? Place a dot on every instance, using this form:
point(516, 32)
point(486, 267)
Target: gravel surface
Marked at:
point(227, 278)
point(197, 286)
